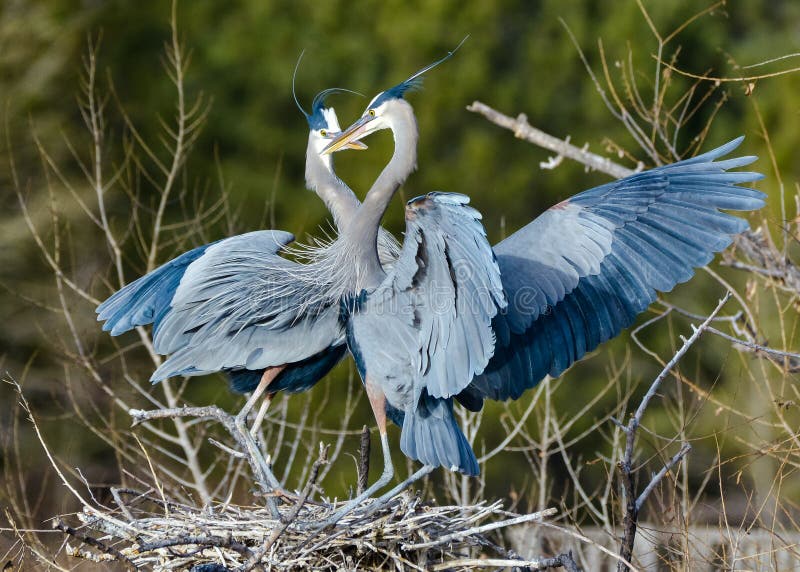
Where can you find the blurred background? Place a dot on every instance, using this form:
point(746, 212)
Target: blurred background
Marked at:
point(244, 171)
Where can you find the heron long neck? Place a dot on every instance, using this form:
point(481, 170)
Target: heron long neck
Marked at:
point(337, 196)
point(363, 232)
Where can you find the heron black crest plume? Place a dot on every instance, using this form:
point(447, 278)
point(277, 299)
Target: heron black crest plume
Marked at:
point(294, 76)
point(315, 119)
point(319, 100)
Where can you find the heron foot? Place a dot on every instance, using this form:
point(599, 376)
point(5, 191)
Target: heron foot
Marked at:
point(385, 498)
point(385, 478)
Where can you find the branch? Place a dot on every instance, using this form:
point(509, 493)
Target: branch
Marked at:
point(637, 418)
point(632, 504)
point(312, 480)
point(523, 130)
point(481, 529)
point(660, 475)
point(561, 561)
point(363, 460)
point(261, 470)
point(93, 542)
point(756, 348)
point(215, 541)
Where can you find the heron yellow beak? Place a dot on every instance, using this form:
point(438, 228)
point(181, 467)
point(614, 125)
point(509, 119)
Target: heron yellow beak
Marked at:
point(350, 136)
point(355, 145)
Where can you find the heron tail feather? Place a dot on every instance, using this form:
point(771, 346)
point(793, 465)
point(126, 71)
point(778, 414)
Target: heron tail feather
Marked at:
point(431, 435)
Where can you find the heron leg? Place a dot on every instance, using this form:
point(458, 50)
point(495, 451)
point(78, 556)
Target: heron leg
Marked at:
point(266, 475)
point(261, 413)
point(385, 498)
point(267, 377)
point(378, 402)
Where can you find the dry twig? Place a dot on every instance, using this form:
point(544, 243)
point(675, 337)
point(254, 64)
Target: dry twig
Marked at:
point(633, 504)
point(406, 530)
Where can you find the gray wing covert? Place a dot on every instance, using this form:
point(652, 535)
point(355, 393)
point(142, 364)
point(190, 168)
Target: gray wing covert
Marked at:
point(426, 331)
point(440, 297)
point(240, 306)
point(582, 271)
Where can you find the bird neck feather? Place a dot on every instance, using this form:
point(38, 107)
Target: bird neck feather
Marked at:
point(320, 178)
point(363, 233)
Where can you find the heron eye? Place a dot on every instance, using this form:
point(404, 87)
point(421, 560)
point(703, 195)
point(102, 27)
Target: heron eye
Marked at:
point(372, 113)
point(323, 132)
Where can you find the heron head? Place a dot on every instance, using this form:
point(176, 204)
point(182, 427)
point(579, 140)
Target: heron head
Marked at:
point(378, 113)
point(323, 124)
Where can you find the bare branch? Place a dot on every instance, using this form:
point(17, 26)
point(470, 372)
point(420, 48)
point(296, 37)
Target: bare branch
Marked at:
point(235, 428)
point(94, 543)
point(481, 529)
point(363, 460)
point(523, 130)
point(632, 504)
point(685, 448)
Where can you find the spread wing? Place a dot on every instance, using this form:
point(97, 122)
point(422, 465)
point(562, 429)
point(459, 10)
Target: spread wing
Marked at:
point(582, 271)
point(233, 304)
point(146, 300)
point(433, 313)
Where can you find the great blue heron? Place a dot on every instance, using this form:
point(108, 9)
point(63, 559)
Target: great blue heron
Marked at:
point(456, 319)
point(204, 304)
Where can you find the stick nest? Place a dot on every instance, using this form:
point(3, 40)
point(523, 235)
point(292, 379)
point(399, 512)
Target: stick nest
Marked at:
point(149, 533)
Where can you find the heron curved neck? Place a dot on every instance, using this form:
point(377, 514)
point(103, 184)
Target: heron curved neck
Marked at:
point(337, 196)
point(363, 232)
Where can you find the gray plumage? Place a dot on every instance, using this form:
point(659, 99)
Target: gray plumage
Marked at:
point(568, 281)
point(238, 306)
point(421, 331)
point(425, 330)
point(582, 271)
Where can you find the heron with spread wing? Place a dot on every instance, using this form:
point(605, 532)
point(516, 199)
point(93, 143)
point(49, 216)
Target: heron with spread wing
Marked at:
point(458, 320)
point(238, 306)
